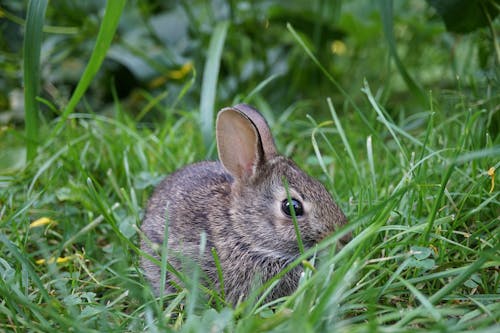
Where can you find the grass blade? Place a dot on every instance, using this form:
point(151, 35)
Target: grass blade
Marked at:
point(343, 136)
point(24, 261)
point(388, 23)
point(371, 163)
point(105, 36)
point(294, 217)
point(330, 77)
point(383, 119)
point(209, 84)
point(446, 290)
point(32, 45)
point(219, 272)
point(261, 86)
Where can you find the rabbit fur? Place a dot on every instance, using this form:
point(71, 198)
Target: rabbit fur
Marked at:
point(238, 204)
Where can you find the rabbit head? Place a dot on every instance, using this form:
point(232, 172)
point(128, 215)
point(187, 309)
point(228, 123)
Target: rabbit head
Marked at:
point(259, 208)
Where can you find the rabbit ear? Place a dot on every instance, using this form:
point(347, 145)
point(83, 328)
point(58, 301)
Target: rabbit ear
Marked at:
point(262, 127)
point(243, 140)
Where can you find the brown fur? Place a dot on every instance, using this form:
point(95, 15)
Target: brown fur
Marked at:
point(236, 203)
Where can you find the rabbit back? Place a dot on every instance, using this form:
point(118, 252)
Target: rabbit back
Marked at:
point(185, 202)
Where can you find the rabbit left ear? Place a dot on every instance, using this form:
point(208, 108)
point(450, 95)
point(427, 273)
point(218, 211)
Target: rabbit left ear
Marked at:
point(238, 143)
point(260, 124)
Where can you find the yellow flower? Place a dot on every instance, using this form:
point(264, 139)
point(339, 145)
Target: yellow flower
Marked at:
point(41, 222)
point(175, 74)
point(338, 47)
point(58, 260)
point(182, 72)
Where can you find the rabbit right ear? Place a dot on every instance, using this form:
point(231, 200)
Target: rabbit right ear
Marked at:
point(243, 140)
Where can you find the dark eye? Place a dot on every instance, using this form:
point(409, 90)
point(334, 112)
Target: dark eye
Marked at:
point(297, 206)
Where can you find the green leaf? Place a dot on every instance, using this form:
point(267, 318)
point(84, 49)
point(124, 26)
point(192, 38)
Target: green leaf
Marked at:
point(127, 226)
point(463, 16)
point(7, 273)
point(72, 300)
point(420, 252)
point(473, 282)
point(425, 264)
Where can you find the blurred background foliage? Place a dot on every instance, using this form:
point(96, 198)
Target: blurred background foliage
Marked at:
point(160, 48)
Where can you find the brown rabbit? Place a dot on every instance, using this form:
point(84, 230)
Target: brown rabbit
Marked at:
point(241, 205)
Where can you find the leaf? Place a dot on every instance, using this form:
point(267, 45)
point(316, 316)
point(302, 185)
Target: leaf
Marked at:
point(420, 252)
point(463, 16)
point(7, 273)
point(12, 157)
point(473, 282)
point(146, 179)
point(127, 226)
point(72, 300)
point(90, 311)
point(425, 264)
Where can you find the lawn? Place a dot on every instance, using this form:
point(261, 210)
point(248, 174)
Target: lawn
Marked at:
point(392, 105)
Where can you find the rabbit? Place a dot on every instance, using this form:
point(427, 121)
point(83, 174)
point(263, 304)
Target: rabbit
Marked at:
point(240, 204)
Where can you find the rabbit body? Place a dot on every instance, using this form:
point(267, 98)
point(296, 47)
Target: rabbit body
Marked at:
point(241, 205)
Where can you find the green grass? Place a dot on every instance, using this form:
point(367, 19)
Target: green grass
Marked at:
point(425, 252)
point(415, 186)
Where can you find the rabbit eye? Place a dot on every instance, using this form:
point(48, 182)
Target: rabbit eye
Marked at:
point(297, 207)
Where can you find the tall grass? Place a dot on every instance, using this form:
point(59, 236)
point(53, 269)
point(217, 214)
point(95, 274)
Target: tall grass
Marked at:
point(386, 11)
point(31, 55)
point(105, 36)
point(209, 84)
point(400, 270)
